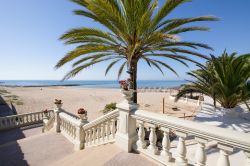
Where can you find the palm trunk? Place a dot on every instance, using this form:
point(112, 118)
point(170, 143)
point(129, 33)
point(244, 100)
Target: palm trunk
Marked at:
point(133, 77)
point(214, 100)
point(248, 107)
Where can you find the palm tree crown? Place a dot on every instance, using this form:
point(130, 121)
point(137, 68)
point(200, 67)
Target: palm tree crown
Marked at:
point(136, 30)
point(224, 78)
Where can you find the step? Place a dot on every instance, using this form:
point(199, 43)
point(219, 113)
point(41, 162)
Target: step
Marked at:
point(104, 155)
point(19, 133)
point(38, 150)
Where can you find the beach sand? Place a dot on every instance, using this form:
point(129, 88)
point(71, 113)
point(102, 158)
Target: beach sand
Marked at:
point(92, 99)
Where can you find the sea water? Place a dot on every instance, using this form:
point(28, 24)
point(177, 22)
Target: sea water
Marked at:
point(91, 84)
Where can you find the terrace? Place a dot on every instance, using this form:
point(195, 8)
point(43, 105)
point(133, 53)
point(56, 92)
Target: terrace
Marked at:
point(126, 135)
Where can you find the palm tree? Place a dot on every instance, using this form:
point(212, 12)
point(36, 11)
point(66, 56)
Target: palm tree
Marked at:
point(225, 78)
point(133, 30)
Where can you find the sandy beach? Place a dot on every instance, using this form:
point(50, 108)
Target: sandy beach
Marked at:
point(93, 99)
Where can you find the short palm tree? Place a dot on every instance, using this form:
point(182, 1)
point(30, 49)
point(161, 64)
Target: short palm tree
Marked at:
point(133, 30)
point(224, 78)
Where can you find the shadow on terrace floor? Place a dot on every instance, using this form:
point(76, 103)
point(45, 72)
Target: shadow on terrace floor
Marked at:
point(10, 152)
point(209, 116)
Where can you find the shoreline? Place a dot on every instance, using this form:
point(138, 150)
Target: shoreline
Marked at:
point(82, 86)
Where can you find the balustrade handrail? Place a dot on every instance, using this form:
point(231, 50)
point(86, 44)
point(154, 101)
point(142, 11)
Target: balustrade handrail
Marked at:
point(70, 114)
point(101, 119)
point(30, 113)
point(64, 115)
point(224, 136)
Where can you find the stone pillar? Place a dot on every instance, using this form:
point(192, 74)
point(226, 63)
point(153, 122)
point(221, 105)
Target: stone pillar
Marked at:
point(57, 110)
point(224, 155)
point(200, 155)
point(126, 134)
point(80, 136)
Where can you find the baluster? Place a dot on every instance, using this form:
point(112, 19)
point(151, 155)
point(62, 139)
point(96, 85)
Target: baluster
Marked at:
point(152, 148)
point(113, 128)
point(103, 132)
point(39, 116)
point(200, 155)
point(1, 123)
point(107, 130)
point(86, 138)
point(13, 121)
point(141, 144)
point(20, 119)
point(32, 117)
point(90, 137)
point(224, 155)
point(28, 118)
point(10, 121)
point(94, 135)
point(98, 134)
point(247, 158)
point(165, 154)
point(24, 119)
point(181, 149)
point(117, 123)
point(4, 123)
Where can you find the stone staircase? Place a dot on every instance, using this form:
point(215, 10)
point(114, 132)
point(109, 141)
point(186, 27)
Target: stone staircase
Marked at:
point(52, 149)
point(104, 155)
point(37, 149)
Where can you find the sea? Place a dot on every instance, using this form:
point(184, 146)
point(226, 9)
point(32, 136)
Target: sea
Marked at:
point(90, 84)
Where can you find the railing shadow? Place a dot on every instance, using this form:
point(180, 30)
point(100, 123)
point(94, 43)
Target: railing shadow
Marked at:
point(10, 150)
point(208, 115)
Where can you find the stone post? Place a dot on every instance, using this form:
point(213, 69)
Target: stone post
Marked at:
point(126, 134)
point(80, 133)
point(57, 110)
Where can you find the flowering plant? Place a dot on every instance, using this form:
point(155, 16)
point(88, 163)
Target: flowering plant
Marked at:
point(58, 101)
point(124, 84)
point(45, 111)
point(82, 111)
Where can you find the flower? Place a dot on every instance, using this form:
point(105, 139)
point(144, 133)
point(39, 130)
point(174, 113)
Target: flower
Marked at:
point(58, 101)
point(82, 111)
point(45, 111)
point(124, 84)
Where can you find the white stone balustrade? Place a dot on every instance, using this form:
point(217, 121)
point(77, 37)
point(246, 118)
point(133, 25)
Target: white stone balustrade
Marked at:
point(119, 126)
point(48, 123)
point(227, 140)
point(21, 120)
point(102, 130)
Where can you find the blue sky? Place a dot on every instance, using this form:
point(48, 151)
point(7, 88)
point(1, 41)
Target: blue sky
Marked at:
point(29, 30)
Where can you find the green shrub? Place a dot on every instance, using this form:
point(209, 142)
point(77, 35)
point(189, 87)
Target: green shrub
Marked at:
point(3, 91)
point(19, 103)
point(109, 107)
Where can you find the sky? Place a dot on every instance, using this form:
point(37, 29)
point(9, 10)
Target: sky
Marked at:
point(29, 31)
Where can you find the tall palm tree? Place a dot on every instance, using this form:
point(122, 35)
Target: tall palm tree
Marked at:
point(133, 30)
point(225, 78)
